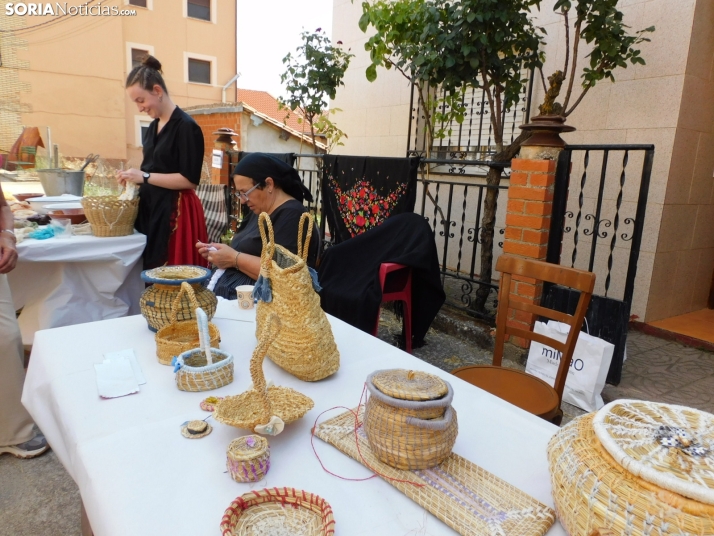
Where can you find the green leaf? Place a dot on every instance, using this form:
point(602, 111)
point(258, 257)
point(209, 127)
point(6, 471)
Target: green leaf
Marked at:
point(371, 72)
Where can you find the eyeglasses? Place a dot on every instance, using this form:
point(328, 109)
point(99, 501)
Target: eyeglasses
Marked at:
point(244, 196)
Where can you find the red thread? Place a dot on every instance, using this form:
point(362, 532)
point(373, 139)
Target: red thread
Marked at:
point(356, 428)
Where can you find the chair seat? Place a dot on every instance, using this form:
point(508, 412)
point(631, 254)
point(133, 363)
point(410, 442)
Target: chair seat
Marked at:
point(519, 388)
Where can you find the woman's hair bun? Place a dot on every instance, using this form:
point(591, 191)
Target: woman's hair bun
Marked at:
point(151, 62)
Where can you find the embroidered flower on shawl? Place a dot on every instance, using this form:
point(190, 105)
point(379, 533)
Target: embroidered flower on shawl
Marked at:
point(362, 207)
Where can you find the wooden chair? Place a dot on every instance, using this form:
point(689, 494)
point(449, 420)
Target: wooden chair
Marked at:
point(520, 389)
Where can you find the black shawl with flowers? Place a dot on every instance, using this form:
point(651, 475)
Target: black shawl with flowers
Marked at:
point(361, 192)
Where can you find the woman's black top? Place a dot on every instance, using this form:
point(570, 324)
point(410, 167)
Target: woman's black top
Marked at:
point(178, 148)
point(286, 222)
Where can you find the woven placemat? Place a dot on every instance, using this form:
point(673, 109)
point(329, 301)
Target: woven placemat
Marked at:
point(466, 497)
point(409, 384)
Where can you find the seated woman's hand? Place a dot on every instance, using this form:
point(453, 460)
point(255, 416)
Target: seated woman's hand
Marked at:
point(219, 254)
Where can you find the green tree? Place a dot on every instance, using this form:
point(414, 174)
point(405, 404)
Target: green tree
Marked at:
point(312, 76)
point(488, 44)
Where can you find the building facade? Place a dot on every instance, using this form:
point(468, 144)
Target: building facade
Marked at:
point(669, 102)
point(67, 72)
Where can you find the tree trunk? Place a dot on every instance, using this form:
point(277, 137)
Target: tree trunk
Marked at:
point(488, 222)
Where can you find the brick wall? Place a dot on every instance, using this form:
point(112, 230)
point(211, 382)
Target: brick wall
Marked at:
point(530, 205)
point(209, 123)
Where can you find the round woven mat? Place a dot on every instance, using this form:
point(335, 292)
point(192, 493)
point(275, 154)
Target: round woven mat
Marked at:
point(409, 384)
point(274, 518)
point(667, 445)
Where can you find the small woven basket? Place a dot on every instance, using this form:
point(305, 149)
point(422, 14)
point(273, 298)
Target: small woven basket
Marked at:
point(281, 511)
point(412, 425)
point(594, 458)
point(193, 373)
point(110, 216)
point(157, 301)
point(248, 458)
point(178, 337)
point(260, 407)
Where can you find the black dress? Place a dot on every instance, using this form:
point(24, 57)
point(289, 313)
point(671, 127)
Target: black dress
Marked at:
point(286, 222)
point(178, 148)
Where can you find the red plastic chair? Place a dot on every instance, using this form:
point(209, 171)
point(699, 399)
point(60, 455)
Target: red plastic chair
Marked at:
point(397, 288)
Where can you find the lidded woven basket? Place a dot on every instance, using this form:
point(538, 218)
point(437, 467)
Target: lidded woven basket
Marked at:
point(157, 301)
point(635, 468)
point(408, 418)
point(248, 458)
point(110, 216)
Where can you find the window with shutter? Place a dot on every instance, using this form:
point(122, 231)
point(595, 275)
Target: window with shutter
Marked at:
point(199, 9)
point(199, 71)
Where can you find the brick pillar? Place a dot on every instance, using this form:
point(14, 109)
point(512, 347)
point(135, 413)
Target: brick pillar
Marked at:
point(223, 143)
point(530, 205)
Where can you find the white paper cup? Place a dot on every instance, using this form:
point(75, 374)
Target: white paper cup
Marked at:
point(245, 296)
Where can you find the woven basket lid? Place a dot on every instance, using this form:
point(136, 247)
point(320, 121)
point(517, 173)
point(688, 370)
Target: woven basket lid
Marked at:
point(667, 445)
point(410, 384)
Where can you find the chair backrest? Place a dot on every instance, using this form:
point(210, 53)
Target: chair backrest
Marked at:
point(528, 271)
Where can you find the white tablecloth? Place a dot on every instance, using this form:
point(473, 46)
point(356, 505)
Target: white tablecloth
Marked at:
point(137, 475)
point(81, 279)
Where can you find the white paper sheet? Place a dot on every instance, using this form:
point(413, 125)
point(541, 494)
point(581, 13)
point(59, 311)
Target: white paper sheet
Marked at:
point(115, 378)
point(131, 357)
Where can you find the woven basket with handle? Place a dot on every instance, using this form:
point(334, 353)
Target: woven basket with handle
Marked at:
point(263, 409)
point(178, 337)
point(110, 216)
point(305, 346)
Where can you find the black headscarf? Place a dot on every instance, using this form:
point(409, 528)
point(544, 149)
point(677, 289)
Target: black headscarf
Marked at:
point(260, 166)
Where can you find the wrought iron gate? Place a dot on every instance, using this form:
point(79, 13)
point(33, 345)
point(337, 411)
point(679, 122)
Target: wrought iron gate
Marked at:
point(597, 225)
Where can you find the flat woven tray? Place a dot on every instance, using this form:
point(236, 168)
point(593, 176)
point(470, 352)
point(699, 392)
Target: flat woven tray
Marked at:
point(461, 494)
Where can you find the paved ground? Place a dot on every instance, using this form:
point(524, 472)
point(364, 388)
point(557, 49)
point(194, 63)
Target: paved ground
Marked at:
point(38, 498)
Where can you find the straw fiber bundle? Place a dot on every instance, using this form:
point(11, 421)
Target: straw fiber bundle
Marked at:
point(178, 337)
point(110, 216)
point(280, 512)
point(305, 346)
point(464, 496)
point(157, 301)
point(263, 409)
point(248, 458)
point(409, 434)
point(594, 494)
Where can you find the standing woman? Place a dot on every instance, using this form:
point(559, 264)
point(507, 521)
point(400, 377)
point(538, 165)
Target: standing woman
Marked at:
point(170, 213)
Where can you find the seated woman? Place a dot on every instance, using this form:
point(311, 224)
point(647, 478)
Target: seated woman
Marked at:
point(264, 184)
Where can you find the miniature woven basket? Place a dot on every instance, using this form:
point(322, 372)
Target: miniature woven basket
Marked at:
point(195, 374)
point(110, 216)
point(263, 409)
point(248, 458)
point(305, 346)
point(635, 468)
point(157, 301)
point(408, 418)
point(178, 337)
point(278, 511)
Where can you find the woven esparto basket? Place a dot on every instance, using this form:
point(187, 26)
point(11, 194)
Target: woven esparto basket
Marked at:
point(260, 407)
point(157, 301)
point(110, 216)
point(404, 432)
point(195, 374)
point(178, 337)
point(593, 493)
point(305, 346)
point(278, 511)
point(248, 458)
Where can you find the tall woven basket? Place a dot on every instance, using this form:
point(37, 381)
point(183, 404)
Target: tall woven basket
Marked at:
point(178, 337)
point(157, 301)
point(635, 469)
point(110, 216)
point(408, 418)
point(305, 346)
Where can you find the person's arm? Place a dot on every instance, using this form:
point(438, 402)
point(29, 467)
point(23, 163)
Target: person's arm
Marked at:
point(170, 181)
point(226, 257)
point(8, 252)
